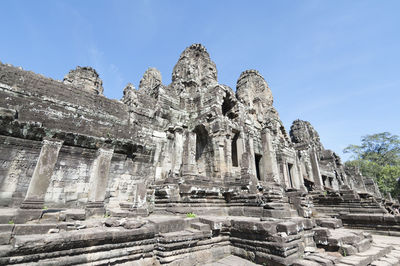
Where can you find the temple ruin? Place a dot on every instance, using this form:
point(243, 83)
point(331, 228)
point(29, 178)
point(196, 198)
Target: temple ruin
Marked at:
point(180, 174)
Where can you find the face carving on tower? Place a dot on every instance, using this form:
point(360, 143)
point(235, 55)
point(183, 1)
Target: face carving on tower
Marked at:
point(85, 78)
point(194, 68)
point(304, 133)
point(151, 79)
point(253, 91)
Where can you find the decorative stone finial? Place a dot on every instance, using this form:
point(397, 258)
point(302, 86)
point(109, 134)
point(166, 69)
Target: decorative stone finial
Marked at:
point(85, 78)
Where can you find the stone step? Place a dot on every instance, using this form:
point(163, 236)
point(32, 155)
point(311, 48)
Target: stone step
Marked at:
point(329, 222)
point(375, 253)
point(318, 258)
point(200, 226)
point(391, 259)
point(302, 262)
point(345, 241)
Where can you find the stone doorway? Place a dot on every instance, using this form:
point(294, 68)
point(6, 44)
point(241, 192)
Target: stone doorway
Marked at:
point(258, 158)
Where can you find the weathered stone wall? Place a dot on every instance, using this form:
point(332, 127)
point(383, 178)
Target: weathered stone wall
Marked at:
point(194, 134)
point(37, 107)
point(70, 158)
point(18, 160)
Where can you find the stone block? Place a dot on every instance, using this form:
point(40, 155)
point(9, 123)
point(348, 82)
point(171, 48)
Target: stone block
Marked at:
point(289, 228)
point(112, 222)
point(7, 215)
point(348, 250)
point(25, 215)
point(31, 229)
point(276, 213)
point(168, 224)
point(321, 232)
point(305, 263)
point(200, 226)
point(319, 260)
point(5, 238)
point(50, 217)
point(363, 245)
point(75, 214)
point(133, 224)
point(329, 222)
point(6, 228)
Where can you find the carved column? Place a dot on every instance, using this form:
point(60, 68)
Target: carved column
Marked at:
point(189, 158)
point(139, 206)
point(315, 170)
point(228, 156)
point(40, 181)
point(219, 156)
point(249, 165)
point(98, 181)
point(300, 175)
point(240, 148)
point(178, 151)
point(269, 157)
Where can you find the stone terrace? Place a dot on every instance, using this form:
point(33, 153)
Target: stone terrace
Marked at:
point(189, 173)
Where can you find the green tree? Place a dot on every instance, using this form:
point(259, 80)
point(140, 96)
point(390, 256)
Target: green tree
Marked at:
point(378, 157)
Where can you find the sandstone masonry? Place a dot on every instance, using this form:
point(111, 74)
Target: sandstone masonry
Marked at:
point(89, 180)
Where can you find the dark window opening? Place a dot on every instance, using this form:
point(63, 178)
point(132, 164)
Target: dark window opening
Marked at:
point(308, 184)
point(331, 181)
point(201, 140)
point(324, 180)
point(290, 167)
point(235, 159)
point(258, 161)
point(227, 106)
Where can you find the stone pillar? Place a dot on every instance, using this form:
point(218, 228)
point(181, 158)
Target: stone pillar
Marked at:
point(248, 165)
point(228, 157)
point(315, 170)
point(219, 156)
point(98, 181)
point(139, 207)
point(240, 148)
point(189, 158)
point(300, 175)
point(285, 170)
point(271, 171)
point(8, 185)
point(252, 159)
point(40, 180)
point(295, 176)
point(178, 151)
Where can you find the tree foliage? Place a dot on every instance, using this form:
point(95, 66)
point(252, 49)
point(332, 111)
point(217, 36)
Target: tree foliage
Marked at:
point(378, 157)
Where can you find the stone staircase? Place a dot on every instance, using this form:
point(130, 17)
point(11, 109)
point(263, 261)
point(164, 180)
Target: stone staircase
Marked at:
point(332, 203)
point(180, 240)
point(356, 248)
point(302, 202)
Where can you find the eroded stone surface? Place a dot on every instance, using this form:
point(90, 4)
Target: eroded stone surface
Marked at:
point(85, 78)
point(181, 174)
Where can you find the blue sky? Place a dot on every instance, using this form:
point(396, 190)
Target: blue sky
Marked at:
point(333, 63)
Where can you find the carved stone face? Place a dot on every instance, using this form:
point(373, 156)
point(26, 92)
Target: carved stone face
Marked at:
point(253, 90)
point(299, 132)
point(303, 132)
point(195, 68)
point(130, 96)
point(151, 79)
point(85, 78)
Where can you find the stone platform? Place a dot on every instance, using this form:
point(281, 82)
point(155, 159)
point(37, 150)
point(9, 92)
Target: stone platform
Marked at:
point(186, 173)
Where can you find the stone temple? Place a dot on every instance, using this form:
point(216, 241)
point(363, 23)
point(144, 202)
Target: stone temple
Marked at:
point(189, 173)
